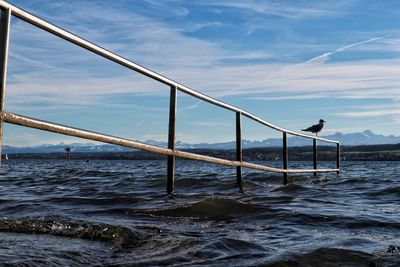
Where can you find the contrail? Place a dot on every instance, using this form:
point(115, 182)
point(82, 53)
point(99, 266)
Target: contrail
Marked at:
point(324, 57)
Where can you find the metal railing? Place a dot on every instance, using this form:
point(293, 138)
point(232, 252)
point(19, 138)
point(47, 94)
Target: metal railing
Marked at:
point(8, 10)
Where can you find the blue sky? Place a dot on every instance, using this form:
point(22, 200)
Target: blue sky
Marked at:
point(289, 62)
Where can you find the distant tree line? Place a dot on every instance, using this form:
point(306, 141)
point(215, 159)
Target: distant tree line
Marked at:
point(325, 153)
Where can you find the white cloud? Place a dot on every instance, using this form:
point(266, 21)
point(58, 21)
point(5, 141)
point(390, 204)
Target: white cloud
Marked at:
point(389, 111)
point(56, 74)
point(369, 114)
point(191, 61)
point(357, 80)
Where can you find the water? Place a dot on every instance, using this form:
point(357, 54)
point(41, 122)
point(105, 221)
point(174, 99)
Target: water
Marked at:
point(116, 213)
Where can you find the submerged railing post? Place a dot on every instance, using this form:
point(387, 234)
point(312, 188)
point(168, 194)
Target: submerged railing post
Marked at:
point(315, 155)
point(285, 153)
point(239, 153)
point(5, 17)
point(337, 158)
point(171, 140)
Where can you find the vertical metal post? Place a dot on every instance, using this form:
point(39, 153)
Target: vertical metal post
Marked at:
point(239, 153)
point(315, 155)
point(337, 157)
point(5, 17)
point(285, 153)
point(171, 140)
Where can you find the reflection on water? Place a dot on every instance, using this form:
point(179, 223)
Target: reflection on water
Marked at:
point(77, 213)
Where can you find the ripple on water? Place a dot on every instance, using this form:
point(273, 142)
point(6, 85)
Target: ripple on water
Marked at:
point(116, 213)
point(117, 235)
point(212, 208)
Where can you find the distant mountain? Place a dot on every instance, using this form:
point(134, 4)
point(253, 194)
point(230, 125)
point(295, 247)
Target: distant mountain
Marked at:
point(352, 139)
point(365, 138)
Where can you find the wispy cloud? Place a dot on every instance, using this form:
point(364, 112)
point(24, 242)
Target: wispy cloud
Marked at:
point(29, 61)
point(192, 27)
point(288, 97)
point(194, 106)
point(369, 114)
point(383, 114)
point(51, 74)
point(209, 124)
point(140, 123)
point(367, 79)
point(292, 10)
point(196, 63)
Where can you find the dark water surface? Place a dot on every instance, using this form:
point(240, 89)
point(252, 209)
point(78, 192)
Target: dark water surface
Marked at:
point(116, 213)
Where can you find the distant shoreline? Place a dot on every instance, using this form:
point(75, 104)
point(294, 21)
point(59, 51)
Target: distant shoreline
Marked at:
point(325, 153)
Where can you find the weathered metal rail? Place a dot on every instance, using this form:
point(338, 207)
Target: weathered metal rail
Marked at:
point(8, 10)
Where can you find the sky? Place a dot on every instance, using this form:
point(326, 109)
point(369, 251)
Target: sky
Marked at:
point(288, 62)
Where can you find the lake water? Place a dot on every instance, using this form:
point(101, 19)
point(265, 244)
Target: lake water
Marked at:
point(116, 213)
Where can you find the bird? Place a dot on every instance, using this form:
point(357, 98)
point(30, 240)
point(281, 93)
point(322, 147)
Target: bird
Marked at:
point(316, 128)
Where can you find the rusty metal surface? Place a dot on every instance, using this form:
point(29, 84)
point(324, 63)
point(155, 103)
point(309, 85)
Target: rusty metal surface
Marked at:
point(62, 129)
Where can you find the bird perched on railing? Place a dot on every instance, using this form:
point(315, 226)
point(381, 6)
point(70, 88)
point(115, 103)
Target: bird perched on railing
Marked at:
point(316, 128)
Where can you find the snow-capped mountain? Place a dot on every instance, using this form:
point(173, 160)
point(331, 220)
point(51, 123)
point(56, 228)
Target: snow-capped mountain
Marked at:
point(364, 138)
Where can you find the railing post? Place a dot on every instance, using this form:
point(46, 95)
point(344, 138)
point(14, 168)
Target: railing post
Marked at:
point(239, 153)
point(285, 158)
point(337, 157)
point(171, 140)
point(315, 155)
point(5, 17)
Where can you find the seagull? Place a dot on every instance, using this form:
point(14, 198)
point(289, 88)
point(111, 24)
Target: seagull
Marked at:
point(316, 128)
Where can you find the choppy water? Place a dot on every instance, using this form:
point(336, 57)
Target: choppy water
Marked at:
point(116, 213)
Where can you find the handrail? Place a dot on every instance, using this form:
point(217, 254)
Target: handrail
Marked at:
point(76, 132)
point(66, 35)
point(8, 9)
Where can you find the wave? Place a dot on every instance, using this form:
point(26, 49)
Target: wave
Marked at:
point(368, 222)
point(337, 257)
point(202, 182)
point(118, 199)
point(117, 235)
point(385, 192)
point(227, 250)
point(290, 188)
point(346, 222)
point(352, 180)
point(213, 208)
